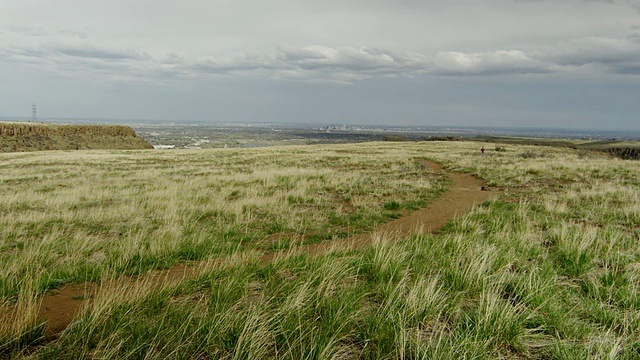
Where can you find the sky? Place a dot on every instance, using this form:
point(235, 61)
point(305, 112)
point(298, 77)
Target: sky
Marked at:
point(518, 63)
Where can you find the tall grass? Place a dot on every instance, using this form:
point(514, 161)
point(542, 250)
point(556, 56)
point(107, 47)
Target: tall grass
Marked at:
point(547, 270)
point(19, 325)
point(77, 216)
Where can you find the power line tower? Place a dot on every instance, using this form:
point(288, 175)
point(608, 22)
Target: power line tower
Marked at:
point(34, 113)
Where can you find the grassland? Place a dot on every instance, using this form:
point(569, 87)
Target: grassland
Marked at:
point(549, 269)
point(624, 149)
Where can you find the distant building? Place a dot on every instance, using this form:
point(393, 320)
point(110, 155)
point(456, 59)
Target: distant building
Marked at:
point(164, 147)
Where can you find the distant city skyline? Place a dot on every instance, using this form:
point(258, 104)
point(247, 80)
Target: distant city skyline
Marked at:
point(571, 64)
point(445, 130)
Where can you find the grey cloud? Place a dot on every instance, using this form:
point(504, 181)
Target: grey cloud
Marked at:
point(40, 32)
point(613, 2)
point(76, 34)
point(621, 56)
point(233, 64)
point(23, 52)
point(69, 54)
point(342, 64)
point(491, 63)
point(617, 2)
point(348, 64)
point(367, 60)
point(386, 5)
point(312, 63)
point(172, 59)
point(25, 56)
point(627, 68)
point(89, 62)
point(29, 30)
point(631, 3)
point(609, 54)
point(103, 54)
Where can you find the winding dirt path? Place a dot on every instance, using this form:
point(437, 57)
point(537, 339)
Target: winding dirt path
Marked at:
point(60, 307)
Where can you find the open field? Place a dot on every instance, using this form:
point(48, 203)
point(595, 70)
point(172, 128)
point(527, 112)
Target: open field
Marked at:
point(548, 269)
point(625, 149)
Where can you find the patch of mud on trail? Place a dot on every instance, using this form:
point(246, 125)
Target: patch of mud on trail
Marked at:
point(60, 307)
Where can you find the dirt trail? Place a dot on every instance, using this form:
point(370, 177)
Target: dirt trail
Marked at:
point(61, 306)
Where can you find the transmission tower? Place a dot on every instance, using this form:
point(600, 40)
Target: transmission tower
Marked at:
point(34, 113)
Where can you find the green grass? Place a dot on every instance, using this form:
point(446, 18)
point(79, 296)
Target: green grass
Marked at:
point(547, 270)
point(97, 213)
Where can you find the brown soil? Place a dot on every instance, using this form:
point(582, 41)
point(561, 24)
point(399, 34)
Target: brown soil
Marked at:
point(60, 307)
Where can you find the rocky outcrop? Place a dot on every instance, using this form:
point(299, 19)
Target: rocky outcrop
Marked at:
point(16, 137)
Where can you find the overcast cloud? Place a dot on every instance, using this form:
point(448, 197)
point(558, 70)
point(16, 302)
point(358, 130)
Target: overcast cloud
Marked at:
point(562, 63)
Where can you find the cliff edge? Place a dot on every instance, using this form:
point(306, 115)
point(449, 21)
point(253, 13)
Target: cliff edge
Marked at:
point(17, 136)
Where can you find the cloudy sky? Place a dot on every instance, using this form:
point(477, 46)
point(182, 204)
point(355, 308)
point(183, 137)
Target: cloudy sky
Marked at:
point(558, 63)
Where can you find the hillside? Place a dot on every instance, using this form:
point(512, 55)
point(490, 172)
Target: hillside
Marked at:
point(18, 137)
point(247, 253)
point(621, 149)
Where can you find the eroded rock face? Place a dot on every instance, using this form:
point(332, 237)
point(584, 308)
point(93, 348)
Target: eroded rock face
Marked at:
point(16, 137)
